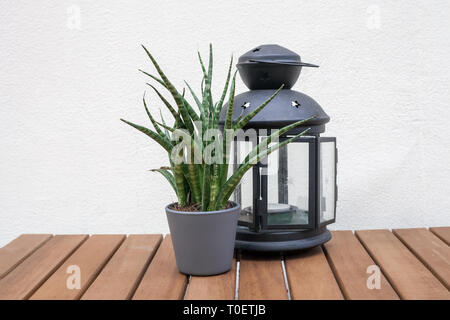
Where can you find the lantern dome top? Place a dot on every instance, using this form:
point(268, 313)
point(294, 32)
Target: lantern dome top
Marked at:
point(269, 66)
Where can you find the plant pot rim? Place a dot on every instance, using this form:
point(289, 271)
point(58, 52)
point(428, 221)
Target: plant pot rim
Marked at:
point(233, 208)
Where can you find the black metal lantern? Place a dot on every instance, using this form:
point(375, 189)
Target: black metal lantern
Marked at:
point(288, 199)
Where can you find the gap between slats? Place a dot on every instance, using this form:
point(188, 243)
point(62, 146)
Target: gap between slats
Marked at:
point(56, 268)
point(354, 292)
point(419, 257)
point(155, 283)
point(286, 281)
point(222, 286)
point(309, 276)
point(97, 273)
point(113, 252)
point(442, 233)
point(186, 288)
point(236, 282)
point(334, 272)
point(25, 256)
point(398, 284)
point(51, 285)
point(34, 284)
point(261, 276)
point(388, 279)
point(141, 275)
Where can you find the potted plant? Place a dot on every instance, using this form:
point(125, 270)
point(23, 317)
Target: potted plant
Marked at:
point(203, 221)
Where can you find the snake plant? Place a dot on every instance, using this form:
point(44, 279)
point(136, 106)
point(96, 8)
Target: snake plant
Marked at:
point(195, 180)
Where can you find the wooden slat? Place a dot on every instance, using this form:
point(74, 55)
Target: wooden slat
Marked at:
point(21, 282)
point(19, 249)
point(218, 287)
point(89, 258)
point(261, 277)
point(120, 277)
point(310, 277)
point(443, 233)
point(410, 278)
point(432, 251)
point(162, 280)
point(349, 261)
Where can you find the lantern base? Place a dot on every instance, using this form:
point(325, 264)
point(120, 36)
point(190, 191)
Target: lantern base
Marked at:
point(272, 240)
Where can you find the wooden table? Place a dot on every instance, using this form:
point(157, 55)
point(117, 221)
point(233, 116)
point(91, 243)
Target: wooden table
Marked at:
point(415, 264)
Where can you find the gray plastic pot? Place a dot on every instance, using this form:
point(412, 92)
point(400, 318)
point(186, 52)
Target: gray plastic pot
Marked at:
point(203, 241)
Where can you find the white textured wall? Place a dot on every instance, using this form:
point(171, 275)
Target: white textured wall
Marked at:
point(67, 165)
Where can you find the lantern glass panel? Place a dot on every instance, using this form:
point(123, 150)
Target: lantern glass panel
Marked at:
point(288, 185)
point(327, 180)
point(244, 192)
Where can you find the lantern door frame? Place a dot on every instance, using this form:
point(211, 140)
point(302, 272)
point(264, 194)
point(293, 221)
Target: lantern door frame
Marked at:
point(319, 199)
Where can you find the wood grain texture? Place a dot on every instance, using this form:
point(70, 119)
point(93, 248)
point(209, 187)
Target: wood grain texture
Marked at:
point(310, 276)
point(261, 277)
point(349, 261)
point(432, 251)
point(162, 280)
point(218, 287)
point(90, 258)
point(410, 278)
point(443, 233)
point(120, 277)
point(19, 249)
point(21, 282)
